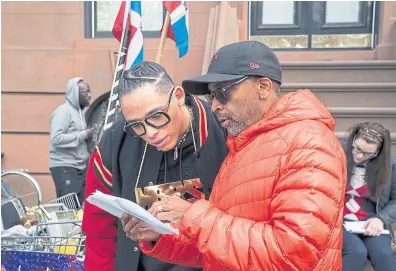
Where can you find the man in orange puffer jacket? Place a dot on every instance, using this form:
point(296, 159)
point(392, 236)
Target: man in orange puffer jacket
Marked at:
point(277, 201)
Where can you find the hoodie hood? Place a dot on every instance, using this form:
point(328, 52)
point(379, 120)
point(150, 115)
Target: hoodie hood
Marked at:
point(292, 107)
point(72, 93)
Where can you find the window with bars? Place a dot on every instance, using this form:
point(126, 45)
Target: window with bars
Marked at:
point(99, 18)
point(314, 25)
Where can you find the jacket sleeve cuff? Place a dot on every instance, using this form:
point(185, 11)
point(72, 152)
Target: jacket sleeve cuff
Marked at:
point(149, 248)
point(82, 135)
point(190, 219)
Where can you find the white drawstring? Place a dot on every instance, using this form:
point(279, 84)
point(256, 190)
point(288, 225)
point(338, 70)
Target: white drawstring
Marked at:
point(82, 120)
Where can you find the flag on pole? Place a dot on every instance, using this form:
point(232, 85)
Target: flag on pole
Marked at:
point(129, 18)
point(134, 24)
point(178, 30)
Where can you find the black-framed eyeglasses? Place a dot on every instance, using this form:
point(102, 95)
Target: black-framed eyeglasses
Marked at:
point(221, 93)
point(156, 120)
point(367, 155)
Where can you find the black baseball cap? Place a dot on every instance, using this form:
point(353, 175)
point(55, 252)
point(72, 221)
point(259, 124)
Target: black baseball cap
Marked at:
point(235, 61)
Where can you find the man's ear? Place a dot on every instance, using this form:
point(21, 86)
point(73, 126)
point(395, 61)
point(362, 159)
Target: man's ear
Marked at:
point(264, 87)
point(180, 95)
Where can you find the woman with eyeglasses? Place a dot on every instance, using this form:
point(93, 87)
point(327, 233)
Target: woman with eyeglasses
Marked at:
point(370, 197)
point(167, 142)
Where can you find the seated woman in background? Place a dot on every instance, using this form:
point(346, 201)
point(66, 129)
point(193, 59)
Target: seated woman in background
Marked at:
point(370, 197)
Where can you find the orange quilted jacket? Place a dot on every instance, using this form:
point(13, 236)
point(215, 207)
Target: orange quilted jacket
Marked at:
point(277, 201)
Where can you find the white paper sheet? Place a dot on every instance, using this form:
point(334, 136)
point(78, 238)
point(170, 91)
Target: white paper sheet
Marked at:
point(358, 227)
point(118, 206)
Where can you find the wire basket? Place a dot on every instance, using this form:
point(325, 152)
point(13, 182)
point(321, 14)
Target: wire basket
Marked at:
point(60, 209)
point(65, 228)
point(70, 201)
point(59, 245)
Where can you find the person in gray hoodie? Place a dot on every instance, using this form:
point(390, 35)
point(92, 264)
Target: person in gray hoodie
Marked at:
point(68, 151)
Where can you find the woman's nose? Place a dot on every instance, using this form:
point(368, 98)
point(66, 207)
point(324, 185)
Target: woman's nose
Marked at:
point(151, 132)
point(360, 155)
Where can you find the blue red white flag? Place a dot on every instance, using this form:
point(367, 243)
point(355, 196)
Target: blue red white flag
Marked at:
point(178, 30)
point(134, 23)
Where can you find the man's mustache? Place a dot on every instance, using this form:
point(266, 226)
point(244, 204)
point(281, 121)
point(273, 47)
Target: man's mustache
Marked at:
point(222, 116)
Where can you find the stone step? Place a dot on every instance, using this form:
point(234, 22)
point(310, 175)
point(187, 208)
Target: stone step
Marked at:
point(339, 71)
point(350, 94)
point(347, 116)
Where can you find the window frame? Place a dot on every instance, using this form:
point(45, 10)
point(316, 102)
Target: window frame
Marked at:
point(90, 24)
point(368, 24)
point(259, 29)
point(364, 26)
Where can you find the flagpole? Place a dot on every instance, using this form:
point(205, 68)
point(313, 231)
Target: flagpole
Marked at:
point(163, 38)
point(113, 98)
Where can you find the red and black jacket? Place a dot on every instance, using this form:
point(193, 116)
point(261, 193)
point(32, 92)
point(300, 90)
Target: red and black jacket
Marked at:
point(113, 169)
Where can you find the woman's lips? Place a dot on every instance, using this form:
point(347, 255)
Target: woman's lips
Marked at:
point(159, 143)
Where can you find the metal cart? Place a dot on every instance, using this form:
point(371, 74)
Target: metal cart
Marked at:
point(55, 243)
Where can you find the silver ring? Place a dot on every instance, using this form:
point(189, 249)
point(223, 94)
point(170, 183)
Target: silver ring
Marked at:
point(160, 209)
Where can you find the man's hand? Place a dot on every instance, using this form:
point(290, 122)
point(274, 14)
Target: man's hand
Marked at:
point(171, 209)
point(135, 229)
point(374, 226)
point(89, 132)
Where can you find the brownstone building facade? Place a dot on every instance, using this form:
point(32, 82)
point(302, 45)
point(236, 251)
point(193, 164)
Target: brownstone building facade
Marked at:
point(346, 54)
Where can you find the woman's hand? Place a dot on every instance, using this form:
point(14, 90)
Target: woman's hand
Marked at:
point(374, 226)
point(136, 229)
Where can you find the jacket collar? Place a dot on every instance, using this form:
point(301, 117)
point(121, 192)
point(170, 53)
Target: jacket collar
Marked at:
point(201, 121)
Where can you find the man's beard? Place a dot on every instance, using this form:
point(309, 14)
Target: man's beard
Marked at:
point(251, 113)
point(84, 102)
point(235, 127)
